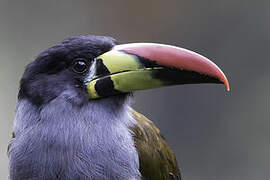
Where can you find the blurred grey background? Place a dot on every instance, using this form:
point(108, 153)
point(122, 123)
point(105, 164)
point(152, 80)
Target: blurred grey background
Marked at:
point(215, 135)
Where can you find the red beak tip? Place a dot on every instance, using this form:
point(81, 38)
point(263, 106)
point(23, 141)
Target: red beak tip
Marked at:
point(226, 83)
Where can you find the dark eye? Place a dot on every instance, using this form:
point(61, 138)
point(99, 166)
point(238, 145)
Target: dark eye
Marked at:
point(80, 66)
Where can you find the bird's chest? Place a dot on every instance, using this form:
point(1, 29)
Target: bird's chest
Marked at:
point(75, 153)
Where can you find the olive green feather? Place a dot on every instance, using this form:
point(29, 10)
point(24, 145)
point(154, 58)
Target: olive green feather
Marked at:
point(157, 160)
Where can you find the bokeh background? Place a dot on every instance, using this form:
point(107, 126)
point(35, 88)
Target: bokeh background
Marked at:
point(216, 135)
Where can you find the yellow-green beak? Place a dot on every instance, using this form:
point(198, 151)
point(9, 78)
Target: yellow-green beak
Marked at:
point(141, 66)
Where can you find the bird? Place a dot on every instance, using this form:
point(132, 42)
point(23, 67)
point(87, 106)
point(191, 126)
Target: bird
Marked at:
point(74, 119)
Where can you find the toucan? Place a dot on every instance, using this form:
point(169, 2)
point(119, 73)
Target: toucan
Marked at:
point(73, 117)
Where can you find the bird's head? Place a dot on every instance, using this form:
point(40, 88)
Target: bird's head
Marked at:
point(86, 68)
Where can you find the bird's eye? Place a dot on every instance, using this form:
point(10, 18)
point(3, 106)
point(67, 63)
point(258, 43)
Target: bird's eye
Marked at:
point(80, 66)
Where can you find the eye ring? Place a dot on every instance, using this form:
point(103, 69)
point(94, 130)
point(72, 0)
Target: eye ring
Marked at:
point(80, 66)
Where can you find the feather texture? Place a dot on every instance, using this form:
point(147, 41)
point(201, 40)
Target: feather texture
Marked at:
point(62, 141)
point(157, 160)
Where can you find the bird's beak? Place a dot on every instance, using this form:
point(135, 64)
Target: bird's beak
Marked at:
point(140, 66)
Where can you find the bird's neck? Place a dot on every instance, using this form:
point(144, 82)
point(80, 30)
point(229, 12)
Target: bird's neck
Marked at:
point(63, 141)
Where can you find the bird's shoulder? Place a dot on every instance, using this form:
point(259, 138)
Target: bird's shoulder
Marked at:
point(157, 160)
